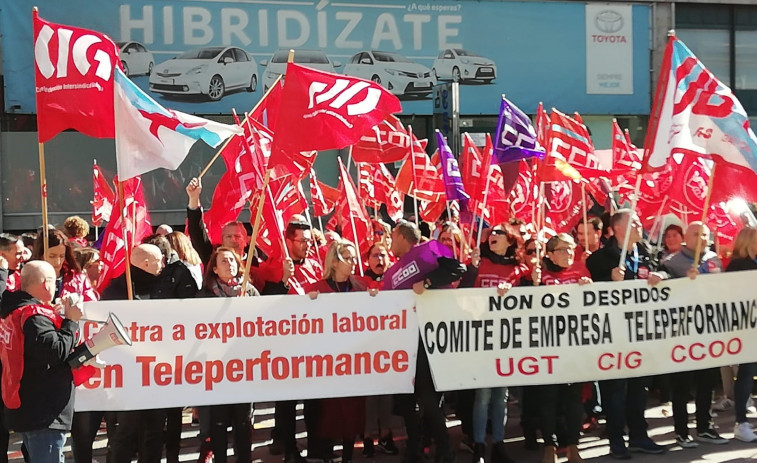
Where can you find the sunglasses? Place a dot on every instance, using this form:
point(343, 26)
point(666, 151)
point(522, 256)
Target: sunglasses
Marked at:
point(378, 232)
point(498, 232)
point(530, 251)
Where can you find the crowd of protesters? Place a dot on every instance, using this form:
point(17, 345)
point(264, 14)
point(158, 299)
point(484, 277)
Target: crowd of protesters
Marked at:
point(174, 265)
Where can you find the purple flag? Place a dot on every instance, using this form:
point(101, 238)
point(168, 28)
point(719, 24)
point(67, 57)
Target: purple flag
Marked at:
point(453, 181)
point(516, 137)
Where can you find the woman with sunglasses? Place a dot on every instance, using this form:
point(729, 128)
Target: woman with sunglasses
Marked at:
point(344, 417)
point(560, 267)
point(496, 263)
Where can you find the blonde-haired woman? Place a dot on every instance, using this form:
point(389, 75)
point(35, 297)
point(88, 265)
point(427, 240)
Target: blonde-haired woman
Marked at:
point(744, 258)
point(340, 418)
point(187, 254)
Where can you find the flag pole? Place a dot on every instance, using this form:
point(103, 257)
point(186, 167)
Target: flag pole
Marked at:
point(483, 209)
point(698, 249)
point(586, 217)
point(352, 221)
point(127, 243)
point(654, 121)
point(259, 212)
point(310, 221)
point(415, 180)
point(43, 196)
point(449, 220)
point(220, 150)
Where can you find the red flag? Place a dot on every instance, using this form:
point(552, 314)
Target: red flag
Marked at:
point(386, 193)
point(103, 197)
point(386, 142)
point(570, 141)
point(625, 156)
point(366, 189)
point(73, 74)
point(524, 194)
point(288, 197)
point(542, 126)
point(326, 111)
point(430, 211)
point(350, 211)
point(323, 196)
point(245, 159)
point(564, 205)
point(471, 169)
point(267, 109)
point(418, 168)
point(137, 226)
point(271, 232)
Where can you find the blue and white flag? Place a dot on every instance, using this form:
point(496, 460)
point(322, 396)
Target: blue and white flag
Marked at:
point(516, 137)
point(149, 136)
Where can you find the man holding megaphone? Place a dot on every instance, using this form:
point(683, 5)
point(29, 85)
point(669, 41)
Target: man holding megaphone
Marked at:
point(37, 381)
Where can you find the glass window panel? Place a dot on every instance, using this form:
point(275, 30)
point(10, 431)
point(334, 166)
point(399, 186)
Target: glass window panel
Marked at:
point(711, 47)
point(746, 60)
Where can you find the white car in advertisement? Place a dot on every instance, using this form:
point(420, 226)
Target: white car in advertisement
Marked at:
point(460, 65)
point(395, 72)
point(135, 58)
point(211, 71)
point(277, 65)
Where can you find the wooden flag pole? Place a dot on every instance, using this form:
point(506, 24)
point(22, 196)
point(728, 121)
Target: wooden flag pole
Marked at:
point(127, 243)
point(43, 197)
point(255, 232)
point(698, 249)
point(259, 212)
point(218, 153)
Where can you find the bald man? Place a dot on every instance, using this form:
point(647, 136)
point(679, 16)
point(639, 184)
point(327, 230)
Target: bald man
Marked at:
point(139, 429)
point(35, 341)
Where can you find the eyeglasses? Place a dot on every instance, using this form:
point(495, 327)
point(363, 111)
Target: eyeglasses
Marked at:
point(530, 251)
point(563, 250)
point(497, 231)
point(309, 242)
point(377, 256)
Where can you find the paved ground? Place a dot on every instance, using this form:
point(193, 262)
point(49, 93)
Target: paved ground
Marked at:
point(593, 447)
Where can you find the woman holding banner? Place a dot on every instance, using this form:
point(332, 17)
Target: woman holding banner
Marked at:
point(559, 267)
point(343, 417)
point(224, 278)
point(744, 258)
point(496, 264)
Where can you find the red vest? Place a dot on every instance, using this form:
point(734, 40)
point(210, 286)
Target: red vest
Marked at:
point(565, 277)
point(490, 274)
point(12, 348)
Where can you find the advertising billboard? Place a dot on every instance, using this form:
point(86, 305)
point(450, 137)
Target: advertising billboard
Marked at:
point(208, 57)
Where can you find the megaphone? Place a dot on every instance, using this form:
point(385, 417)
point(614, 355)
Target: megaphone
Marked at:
point(111, 334)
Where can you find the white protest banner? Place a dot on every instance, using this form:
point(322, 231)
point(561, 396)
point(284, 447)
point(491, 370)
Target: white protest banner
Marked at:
point(564, 334)
point(256, 349)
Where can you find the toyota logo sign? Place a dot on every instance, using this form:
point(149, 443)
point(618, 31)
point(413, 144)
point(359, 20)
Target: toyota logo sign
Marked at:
point(608, 21)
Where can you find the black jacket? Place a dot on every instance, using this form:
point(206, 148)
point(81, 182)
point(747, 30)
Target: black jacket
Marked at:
point(47, 386)
point(741, 263)
point(144, 286)
point(601, 262)
point(198, 235)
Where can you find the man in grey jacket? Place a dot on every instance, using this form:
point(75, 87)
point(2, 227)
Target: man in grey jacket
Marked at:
point(678, 265)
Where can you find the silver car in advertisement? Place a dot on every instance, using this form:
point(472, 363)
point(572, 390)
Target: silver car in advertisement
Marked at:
point(395, 72)
point(210, 71)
